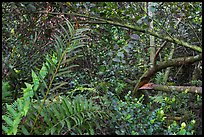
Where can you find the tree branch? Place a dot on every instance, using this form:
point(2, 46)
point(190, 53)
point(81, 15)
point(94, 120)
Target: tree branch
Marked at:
point(192, 89)
point(145, 78)
point(135, 28)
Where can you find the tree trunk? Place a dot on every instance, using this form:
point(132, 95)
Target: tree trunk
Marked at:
point(152, 44)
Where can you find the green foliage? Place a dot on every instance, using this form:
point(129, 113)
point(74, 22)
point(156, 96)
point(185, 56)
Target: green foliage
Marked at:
point(75, 81)
point(69, 116)
point(17, 110)
point(55, 66)
point(175, 129)
point(132, 117)
point(52, 69)
point(6, 91)
point(159, 78)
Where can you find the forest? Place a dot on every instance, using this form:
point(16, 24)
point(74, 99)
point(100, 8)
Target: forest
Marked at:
point(101, 68)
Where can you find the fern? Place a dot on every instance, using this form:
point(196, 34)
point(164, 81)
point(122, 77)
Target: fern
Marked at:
point(66, 44)
point(65, 116)
point(159, 78)
point(6, 91)
point(17, 110)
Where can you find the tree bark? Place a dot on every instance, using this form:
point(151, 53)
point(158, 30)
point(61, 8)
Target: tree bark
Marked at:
point(151, 38)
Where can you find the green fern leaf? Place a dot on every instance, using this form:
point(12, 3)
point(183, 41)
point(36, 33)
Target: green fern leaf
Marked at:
point(74, 118)
point(24, 130)
point(26, 106)
point(11, 110)
point(70, 59)
point(68, 124)
point(58, 85)
point(28, 91)
point(71, 28)
point(60, 45)
point(56, 113)
point(15, 124)
point(43, 71)
point(66, 32)
point(51, 62)
point(53, 129)
point(8, 120)
point(67, 68)
point(68, 105)
point(36, 81)
point(5, 129)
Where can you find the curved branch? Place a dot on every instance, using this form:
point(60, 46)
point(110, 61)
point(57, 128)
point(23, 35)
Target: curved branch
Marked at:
point(145, 78)
point(135, 28)
point(157, 53)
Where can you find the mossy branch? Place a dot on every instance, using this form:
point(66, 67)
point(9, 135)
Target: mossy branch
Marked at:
point(135, 28)
point(145, 78)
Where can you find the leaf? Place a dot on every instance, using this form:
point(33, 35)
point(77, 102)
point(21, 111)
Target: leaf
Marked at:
point(90, 104)
point(67, 34)
point(70, 59)
point(91, 129)
point(62, 125)
point(11, 110)
point(86, 105)
point(79, 119)
point(152, 8)
point(53, 129)
point(60, 85)
point(68, 124)
point(116, 59)
point(20, 104)
point(55, 111)
point(54, 59)
point(74, 119)
point(28, 91)
point(134, 37)
point(58, 49)
point(43, 71)
point(68, 105)
point(50, 64)
point(60, 45)
point(15, 124)
point(71, 28)
point(73, 48)
point(36, 81)
point(8, 120)
point(24, 130)
point(127, 49)
point(5, 129)
point(25, 106)
point(120, 54)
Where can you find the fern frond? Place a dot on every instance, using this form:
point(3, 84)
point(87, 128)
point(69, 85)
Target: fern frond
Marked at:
point(67, 115)
point(17, 110)
point(63, 46)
